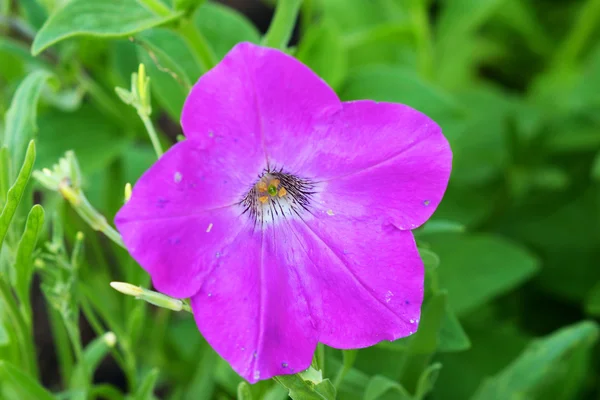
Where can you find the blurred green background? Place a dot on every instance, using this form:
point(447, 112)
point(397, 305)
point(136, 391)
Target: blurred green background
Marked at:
point(513, 278)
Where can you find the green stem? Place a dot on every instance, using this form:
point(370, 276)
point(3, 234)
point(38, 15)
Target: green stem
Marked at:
point(152, 133)
point(582, 30)
point(90, 215)
point(282, 26)
point(201, 49)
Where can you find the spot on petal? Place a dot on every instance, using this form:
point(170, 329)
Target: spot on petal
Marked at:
point(412, 321)
point(330, 212)
point(388, 296)
point(257, 375)
point(426, 203)
point(177, 177)
point(284, 365)
point(209, 227)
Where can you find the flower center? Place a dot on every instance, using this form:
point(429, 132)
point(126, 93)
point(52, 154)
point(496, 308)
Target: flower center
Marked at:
point(277, 195)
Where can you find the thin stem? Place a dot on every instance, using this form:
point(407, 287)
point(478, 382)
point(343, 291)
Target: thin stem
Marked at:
point(86, 211)
point(583, 27)
point(201, 49)
point(282, 26)
point(152, 133)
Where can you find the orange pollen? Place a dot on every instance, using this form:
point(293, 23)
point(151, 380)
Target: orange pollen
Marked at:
point(282, 192)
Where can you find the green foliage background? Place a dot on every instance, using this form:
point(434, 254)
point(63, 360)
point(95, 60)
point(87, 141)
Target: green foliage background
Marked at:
point(513, 279)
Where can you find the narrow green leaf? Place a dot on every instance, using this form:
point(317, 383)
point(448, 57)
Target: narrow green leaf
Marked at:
point(15, 193)
point(15, 384)
point(24, 264)
point(146, 388)
point(379, 385)
point(4, 174)
point(427, 380)
point(107, 18)
point(540, 365)
point(21, 116)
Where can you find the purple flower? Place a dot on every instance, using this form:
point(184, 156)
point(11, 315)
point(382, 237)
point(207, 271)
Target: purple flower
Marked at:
point(285, 215)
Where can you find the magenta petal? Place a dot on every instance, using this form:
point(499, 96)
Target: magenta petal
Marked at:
point(371, 279)
point(261, 95)
point(253, 308)
point(383, 159)
point(180, 215)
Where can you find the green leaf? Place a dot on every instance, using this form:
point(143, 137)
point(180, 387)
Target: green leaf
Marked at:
point(223, 27)
point(171, 67)
point(21, 116)
point(476, 268)
point(543, 363)
point(452, 336)
point(24, 263)
point(379, 386)
point(15, 384)
point(145, 389)
point(243, 391)
point(15, 193)
point(94, 138)
point(349, 357)
point(4, 174)
point(592, 303)
point(425, 341)
point(394, 84)
point(107, 18)
point(307, 385)
point(323, 51)
point(427, 380)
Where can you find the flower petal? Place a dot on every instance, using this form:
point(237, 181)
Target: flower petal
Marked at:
point(253, 309)
point(395, 163)
point(371, 279)
point(180, 214)
point(261, 95)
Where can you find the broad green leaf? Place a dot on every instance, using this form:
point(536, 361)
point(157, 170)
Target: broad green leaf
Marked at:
point(15, 384)
point(544, 362)
point(464, 16)
point(476, 268)
point(592, 304)
point(425, 340)
point(452, 336)
point(171, 67)
point(224, 27)
point(440, 226)
point(94, 138)
point(15, 193)
point(387, 83)
point(495, 345)
point(24, 262)
point(16, 60)
point(106, 18)
point(145, 389)
point(382, 388)
point(21, 116)
point(322, 50)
